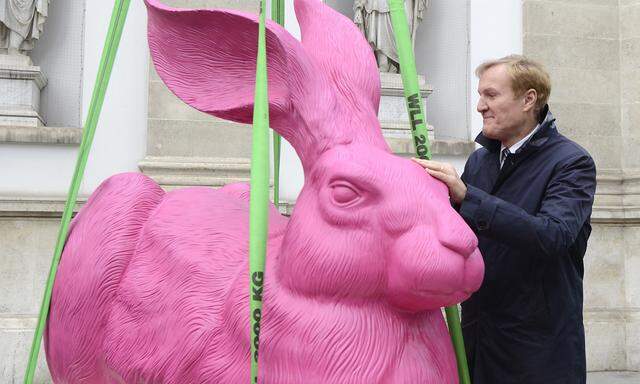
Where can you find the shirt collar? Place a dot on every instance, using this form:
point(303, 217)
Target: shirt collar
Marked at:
point(516, 146)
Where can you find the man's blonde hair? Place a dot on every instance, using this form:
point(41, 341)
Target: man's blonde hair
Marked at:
point(525, 74)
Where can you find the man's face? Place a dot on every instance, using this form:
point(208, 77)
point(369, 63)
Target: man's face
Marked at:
point(503, 114)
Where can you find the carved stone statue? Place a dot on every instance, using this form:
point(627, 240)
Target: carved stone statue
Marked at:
point(374, 20)
point(21, 24)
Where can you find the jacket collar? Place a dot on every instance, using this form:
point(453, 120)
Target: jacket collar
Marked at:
point(547, 129)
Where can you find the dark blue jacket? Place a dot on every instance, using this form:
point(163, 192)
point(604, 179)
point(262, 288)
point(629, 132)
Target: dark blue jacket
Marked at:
point(525, 325)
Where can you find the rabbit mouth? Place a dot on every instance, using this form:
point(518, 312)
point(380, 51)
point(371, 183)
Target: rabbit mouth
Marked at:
point(429, 292)
point(422, 300)
point(434, 280)
point(446, 298)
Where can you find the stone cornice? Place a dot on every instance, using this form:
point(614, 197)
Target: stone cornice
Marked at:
point(404, 146)
point(24, 73)
point(41, 135)
point(391, 85)
point(617, 197)
point(34, 207)
point(627, 314)
point(175, 171)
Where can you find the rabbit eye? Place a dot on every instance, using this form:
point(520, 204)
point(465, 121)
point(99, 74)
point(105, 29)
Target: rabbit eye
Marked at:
point(344, 194)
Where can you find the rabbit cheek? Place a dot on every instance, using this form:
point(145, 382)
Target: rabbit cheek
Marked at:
point(332, 262)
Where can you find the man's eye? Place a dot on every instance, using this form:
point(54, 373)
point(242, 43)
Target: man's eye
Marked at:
point(343, 194)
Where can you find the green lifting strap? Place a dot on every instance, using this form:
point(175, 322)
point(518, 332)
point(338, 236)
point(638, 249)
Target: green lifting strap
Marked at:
point(116, 25)
point(410, 79)
point(277, 15)
point(259, 199)
point(421, 142)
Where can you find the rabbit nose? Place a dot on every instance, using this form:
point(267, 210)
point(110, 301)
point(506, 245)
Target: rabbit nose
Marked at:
point(454, 234)
point(459, 247)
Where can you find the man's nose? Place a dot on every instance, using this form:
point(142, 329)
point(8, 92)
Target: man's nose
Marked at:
point(482, 106)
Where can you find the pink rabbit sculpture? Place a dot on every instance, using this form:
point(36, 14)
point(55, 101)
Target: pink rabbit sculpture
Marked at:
point(153, 286)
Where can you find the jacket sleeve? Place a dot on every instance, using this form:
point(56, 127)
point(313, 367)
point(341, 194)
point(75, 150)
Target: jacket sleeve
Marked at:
point(563, 211)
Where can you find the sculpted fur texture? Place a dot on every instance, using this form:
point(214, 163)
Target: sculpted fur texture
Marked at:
point(153, 286)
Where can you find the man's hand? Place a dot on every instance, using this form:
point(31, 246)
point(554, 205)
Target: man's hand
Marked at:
point(448, 175)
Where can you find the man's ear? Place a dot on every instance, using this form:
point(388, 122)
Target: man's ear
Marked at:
point(530, 99)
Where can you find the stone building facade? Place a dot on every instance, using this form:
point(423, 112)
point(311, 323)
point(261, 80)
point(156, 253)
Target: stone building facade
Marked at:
point(591, 47)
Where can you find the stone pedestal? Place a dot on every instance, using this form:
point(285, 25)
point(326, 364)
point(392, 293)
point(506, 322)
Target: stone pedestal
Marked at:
point(393, 114)
point(20, 85)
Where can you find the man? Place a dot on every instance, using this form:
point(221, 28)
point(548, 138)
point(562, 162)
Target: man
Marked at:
point(527, 193)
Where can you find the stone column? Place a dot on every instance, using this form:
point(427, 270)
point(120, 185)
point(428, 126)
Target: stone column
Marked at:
point(630, 89)
point(592, 50)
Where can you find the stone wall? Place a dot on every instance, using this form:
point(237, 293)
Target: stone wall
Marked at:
point(592, 50)
point(28, 230)
point(630, 89)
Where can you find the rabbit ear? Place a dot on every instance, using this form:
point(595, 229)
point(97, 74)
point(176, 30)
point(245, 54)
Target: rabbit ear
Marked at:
point(208, 59)
point(338, 47)
point(341, 50)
